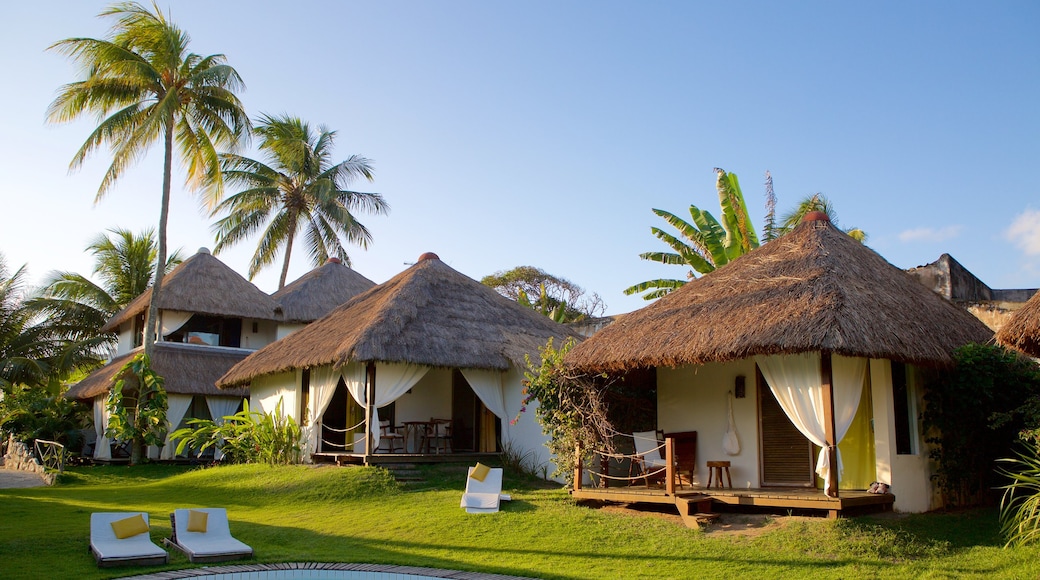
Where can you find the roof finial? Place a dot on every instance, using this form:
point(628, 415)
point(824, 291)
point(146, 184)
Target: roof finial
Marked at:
point(428, 256)
point(334, 260)
point(203, 250)
point(816, 216)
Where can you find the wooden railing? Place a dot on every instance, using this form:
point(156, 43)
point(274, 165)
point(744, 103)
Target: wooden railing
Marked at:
point(671, 473)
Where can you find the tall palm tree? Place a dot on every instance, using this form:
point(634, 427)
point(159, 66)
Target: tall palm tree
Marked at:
point(706, 244)
point(77, 307)
point(144, 86)
point(297, 186)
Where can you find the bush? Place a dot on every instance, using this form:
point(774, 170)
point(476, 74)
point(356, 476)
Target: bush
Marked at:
point(975, 412)
point(1020, 506)
point(31, 413)
point(245, 437)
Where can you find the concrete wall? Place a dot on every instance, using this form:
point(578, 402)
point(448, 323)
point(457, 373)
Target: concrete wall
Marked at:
point(266, 333)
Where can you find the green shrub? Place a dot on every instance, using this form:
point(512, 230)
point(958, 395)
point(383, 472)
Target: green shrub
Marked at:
point(245, 437)
point(31, 413)
point(1020, 506)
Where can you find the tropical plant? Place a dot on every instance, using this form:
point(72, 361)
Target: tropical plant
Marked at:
point(571, 408)
point(245, 437)
point(77, 307)
point(31, 413)
point(1020, 505)
point(137, 406)
point(706, 244)
point(555, 297)
point(144, 86)
point(295, 187)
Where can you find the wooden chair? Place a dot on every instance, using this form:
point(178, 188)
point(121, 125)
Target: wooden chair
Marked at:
point(685, 456)
point(438, 436)
point(392, 436)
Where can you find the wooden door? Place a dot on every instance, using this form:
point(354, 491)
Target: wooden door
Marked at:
point(786, 455)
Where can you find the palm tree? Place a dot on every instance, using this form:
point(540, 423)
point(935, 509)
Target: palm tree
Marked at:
point(706, 244)
point(144, 85)
point(77, 307)
point(295, 187)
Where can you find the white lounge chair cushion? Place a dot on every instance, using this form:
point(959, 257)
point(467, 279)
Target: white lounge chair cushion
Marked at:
point(215, 541)
point(107, 546)
point(483, 496)
point(648, 448)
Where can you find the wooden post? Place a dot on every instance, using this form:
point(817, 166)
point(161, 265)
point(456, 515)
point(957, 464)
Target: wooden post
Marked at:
point(827, 377)
point(669, 459)
point(370, 397)
point(577, 467)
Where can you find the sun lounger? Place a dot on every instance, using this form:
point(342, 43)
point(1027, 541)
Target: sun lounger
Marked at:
point(212, 542)
point(110, 550)
point(483, 497)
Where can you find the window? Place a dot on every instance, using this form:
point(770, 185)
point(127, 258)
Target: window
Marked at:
point(137, 329)
point(209, 330)
point(905, 409)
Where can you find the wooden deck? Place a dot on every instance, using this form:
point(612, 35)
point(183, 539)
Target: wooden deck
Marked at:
point(766, 498)
point(385, 458)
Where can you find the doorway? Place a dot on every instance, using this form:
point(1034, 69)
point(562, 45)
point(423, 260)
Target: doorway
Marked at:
point(474, 427)
point(786, 455)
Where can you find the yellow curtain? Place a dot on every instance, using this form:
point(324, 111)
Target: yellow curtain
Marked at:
point(487, 431)
point(355, 415)
point(857, 448)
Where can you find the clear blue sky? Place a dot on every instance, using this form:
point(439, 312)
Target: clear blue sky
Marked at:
point(542, 133)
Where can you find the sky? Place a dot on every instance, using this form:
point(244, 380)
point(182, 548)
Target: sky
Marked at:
point(543, 133)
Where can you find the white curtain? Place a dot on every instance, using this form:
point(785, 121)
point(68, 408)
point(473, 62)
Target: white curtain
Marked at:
point(796, 383)
point(487, 384)
point(172, 320)
point(102, 445)
point(392, 381)
point(220, 407)
point(176, 407)
point(323, 387)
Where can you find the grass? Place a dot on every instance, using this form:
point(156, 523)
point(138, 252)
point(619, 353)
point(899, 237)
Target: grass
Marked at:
point(294, 514)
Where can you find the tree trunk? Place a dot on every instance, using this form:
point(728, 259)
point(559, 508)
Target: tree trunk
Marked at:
point(288, 252)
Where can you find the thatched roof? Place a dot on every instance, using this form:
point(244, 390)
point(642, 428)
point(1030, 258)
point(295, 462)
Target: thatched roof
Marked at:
point(1022, 330)
point(814, 289)
point(319, 291)
point(187, 369)
point(429, 314)
point(204, 285)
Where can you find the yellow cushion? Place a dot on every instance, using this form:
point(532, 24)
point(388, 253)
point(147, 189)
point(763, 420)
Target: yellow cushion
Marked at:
point(197, 521)
point(130, 526)
point(480, 472)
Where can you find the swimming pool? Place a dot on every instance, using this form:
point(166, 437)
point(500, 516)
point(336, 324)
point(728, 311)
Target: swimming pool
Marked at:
point(320, 571)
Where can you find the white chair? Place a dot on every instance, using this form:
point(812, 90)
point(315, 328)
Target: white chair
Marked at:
point(483, 497)
point(109, 550)
point(214, 545)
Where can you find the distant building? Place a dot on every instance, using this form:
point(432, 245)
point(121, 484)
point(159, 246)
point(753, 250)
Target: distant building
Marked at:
point(949, 279)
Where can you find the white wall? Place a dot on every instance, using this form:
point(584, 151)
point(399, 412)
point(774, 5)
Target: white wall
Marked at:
point(126, 338)
point(430, 398)
point(266, 333)
point(285, 330)
point(909, 475)
point(693, 398)
point(526, 435)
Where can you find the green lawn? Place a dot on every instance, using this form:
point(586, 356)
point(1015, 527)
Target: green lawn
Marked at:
point(294, 514)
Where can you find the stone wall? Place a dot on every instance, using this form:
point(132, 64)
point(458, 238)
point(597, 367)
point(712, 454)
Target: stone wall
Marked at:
point(20, 458)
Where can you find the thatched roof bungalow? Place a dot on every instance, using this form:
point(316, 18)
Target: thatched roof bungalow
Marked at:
point(318, 293)
point(1022, 330)
point(209, 316)
point(412, 345)
point(813, 316)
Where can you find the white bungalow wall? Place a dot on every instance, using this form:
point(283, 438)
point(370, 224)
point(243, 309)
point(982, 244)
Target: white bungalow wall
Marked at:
point(526, 436)
point(285, 330)
point(694, 399)
point(266, 333)
point(430, 398)
point(909, 475)
point(266, 391)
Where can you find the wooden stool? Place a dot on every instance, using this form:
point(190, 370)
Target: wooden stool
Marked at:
point(715, 471)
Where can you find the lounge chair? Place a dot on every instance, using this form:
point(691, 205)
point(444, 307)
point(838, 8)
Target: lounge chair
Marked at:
point(109, 550)
point(212, 543)
point(483, 497)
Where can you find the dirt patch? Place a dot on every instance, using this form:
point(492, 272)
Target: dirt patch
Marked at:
point(750, 525)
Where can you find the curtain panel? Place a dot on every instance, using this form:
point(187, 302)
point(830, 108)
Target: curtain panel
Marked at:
point(796, 382)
